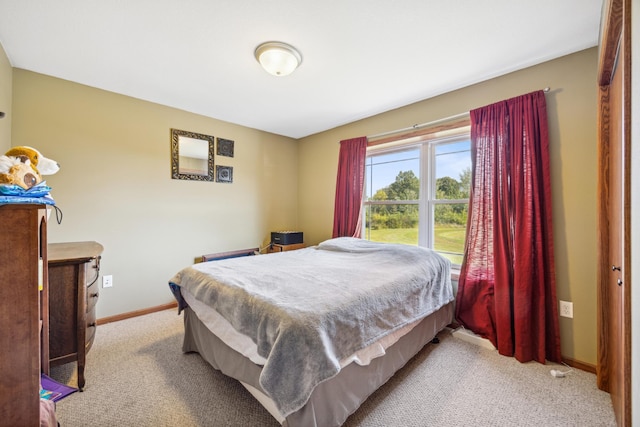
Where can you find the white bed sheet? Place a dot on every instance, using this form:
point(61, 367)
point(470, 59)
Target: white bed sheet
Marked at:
point(245, 346)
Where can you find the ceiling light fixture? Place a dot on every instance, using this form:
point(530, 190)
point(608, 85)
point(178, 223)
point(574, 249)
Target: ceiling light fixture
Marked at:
point(277, 58)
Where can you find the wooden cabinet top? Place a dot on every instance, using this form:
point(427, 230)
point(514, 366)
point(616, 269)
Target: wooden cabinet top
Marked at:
point(16, 206)
point(73, 251)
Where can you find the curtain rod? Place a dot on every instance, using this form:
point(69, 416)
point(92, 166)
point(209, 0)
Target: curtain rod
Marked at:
point(431, 123)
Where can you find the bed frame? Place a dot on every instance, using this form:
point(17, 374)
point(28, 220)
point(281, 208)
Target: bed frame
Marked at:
point(332, 401)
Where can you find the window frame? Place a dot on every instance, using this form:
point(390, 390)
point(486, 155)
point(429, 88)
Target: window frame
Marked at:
point(427, 202)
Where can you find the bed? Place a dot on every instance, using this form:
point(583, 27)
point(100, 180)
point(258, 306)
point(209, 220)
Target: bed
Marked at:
point(312, 333)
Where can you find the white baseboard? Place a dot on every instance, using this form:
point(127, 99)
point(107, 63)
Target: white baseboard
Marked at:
point(467, 335)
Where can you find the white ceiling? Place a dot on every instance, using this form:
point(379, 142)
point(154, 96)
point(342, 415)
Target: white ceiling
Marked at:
point(360, 57)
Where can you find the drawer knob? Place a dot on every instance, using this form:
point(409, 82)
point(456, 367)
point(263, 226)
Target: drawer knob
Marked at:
point(94, 295)
point(92, 325)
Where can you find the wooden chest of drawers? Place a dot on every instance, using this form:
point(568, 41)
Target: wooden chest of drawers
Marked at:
point(74, 269)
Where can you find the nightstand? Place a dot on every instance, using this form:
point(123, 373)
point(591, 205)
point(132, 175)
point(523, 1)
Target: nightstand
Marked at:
point(283, 248)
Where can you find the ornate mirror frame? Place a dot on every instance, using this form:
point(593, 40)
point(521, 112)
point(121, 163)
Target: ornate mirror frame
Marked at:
point(195, 151)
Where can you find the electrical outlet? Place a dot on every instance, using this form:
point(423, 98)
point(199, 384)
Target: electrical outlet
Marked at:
point(107, 281)
point(566, 309)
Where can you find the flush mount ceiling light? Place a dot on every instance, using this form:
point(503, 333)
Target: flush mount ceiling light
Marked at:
point(277, 58)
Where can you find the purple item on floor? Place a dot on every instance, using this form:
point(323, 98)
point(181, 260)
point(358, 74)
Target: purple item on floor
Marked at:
point(53, 390)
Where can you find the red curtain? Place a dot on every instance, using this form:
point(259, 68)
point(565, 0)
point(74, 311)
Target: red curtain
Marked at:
point(347, 221)
point(507, 291)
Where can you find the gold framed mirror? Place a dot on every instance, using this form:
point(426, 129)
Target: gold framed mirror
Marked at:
point(191, 156)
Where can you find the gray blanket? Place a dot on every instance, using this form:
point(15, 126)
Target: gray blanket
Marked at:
point(308, 309)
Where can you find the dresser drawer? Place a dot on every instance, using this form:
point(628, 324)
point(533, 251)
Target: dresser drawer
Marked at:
point(91, 327)
point(92, 297)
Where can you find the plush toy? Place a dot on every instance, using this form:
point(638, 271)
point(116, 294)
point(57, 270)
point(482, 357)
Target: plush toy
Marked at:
point(39, 163)
point(15, 171)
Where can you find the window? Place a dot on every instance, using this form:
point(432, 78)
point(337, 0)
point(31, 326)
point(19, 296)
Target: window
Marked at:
point(417, 193)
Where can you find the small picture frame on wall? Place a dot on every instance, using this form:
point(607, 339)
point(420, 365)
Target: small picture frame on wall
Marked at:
point(225, 147)
point(224, 174)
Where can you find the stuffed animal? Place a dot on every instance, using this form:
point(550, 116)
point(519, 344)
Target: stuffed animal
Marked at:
point(39, 163)
point(15, 171)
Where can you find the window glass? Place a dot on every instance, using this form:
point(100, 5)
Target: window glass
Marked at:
point(453, 170)
point(393, 176)
point(392, 223)
point(392, 179)
point(449, 230)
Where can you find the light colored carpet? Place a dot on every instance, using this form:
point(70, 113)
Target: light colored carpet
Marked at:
point(136, 375)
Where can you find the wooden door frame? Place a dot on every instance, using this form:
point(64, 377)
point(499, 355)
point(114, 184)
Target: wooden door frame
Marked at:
point(615, 28)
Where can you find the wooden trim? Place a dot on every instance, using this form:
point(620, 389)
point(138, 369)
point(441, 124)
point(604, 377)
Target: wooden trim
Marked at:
point(609, 39)
point(626, 417)
point(588, 367)
point(136, 313)
point(427, 132)
point(626, 318)
point(610, 32)
point(603, 239)
point(615, 53)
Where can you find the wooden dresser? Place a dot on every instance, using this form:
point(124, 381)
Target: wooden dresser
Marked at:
point(74, 269)
point(23, 306)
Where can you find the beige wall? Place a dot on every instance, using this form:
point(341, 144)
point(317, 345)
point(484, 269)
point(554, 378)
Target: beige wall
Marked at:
point(6, 84)
point(572, 126)
point(115, 185)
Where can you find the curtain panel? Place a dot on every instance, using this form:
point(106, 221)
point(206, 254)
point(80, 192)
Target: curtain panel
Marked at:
point(347, 218)
point(507, 291)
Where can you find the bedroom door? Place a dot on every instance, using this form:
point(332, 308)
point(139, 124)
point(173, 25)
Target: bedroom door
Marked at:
point(614, 304)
